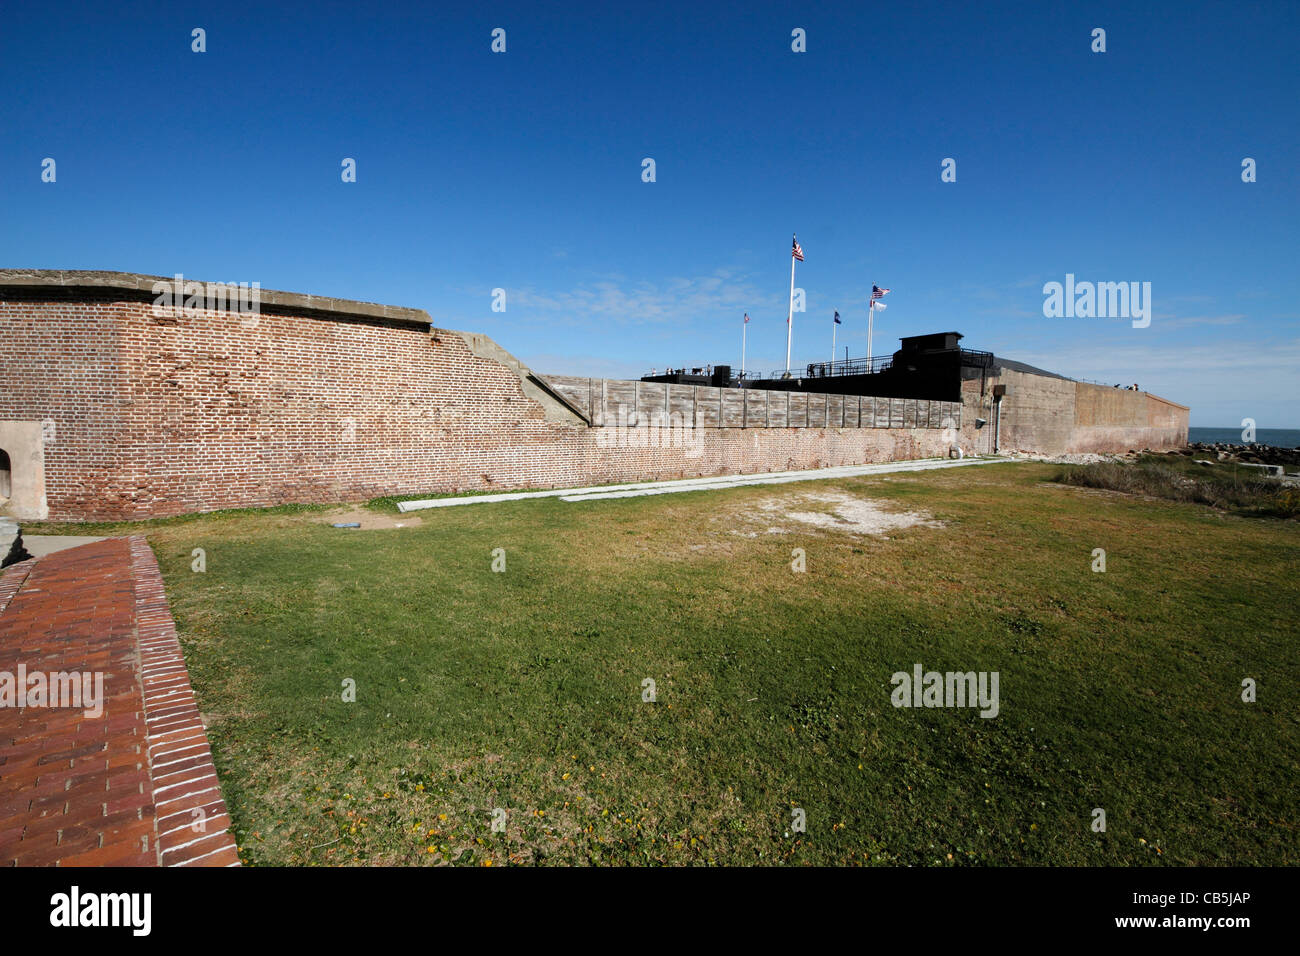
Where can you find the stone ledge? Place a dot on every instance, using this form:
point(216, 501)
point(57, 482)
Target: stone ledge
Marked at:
point(139, 284)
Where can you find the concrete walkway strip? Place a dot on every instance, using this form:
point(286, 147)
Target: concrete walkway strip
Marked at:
point(40, 545)
point(602, 492)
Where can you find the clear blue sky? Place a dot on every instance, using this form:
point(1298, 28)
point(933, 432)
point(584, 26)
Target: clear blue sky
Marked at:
point(523, 171)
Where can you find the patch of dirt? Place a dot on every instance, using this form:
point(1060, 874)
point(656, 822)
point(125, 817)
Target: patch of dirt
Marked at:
point(369, 520)
point(831, 511)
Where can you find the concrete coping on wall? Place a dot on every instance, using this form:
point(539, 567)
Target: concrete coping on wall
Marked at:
point(1167, 401)
point(144, 286)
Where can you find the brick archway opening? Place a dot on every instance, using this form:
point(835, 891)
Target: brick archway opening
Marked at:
point(6, 476)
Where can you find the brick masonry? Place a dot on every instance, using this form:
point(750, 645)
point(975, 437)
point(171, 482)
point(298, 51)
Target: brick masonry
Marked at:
point(116, 789)
point(192, 823)
point(319, 400)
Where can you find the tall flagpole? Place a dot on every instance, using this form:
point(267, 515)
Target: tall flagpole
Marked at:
point(871, 315)
point(789, 319)
point(833, 331)
point(744, 330)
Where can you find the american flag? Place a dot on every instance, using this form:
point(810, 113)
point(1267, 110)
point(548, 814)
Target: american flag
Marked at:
point(837, 319)
point(877, 292)
point(798, 251)
point(746, 318)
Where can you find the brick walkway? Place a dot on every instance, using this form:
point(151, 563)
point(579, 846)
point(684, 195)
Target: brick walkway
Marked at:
point(135, 785)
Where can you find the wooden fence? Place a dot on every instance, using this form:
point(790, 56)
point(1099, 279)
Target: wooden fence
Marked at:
point(628, 404)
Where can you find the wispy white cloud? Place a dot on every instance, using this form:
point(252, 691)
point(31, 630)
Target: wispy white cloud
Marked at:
point(674, 300)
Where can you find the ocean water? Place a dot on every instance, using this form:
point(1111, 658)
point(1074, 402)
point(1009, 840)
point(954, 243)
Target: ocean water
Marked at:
point(1278, 437)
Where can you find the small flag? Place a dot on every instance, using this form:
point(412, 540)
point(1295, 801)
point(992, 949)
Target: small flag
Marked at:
point(747, 318)
point(837, 319)
point(877, 292)
point(798, 251)
point(879, 305)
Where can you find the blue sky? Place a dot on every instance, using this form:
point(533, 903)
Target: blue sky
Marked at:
point(522, 171)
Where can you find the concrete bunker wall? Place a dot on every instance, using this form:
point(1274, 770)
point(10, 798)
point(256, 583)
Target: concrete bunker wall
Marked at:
point(1046, 415)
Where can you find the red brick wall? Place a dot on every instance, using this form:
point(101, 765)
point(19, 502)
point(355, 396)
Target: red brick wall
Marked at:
point(157, 416)
point(62, 360)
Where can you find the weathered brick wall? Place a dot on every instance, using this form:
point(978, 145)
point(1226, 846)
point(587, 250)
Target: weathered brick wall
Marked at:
point(316, 400)
point(162, 415)
point(62, 360)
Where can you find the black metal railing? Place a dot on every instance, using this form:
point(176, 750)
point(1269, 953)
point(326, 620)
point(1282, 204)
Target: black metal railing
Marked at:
point(972, 358)
point(856, 366)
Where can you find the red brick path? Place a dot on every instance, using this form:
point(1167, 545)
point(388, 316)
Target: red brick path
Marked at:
point(120, 789)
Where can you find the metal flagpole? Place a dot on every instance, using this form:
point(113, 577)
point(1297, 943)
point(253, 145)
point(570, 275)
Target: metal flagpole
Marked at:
point(744, 330)
point(789, 318)
point(833, 331)
point(871, 315)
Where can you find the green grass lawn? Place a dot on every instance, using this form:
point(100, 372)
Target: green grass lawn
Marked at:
point(522, 690)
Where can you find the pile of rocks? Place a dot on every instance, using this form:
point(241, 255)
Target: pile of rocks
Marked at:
point(1255, 454)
